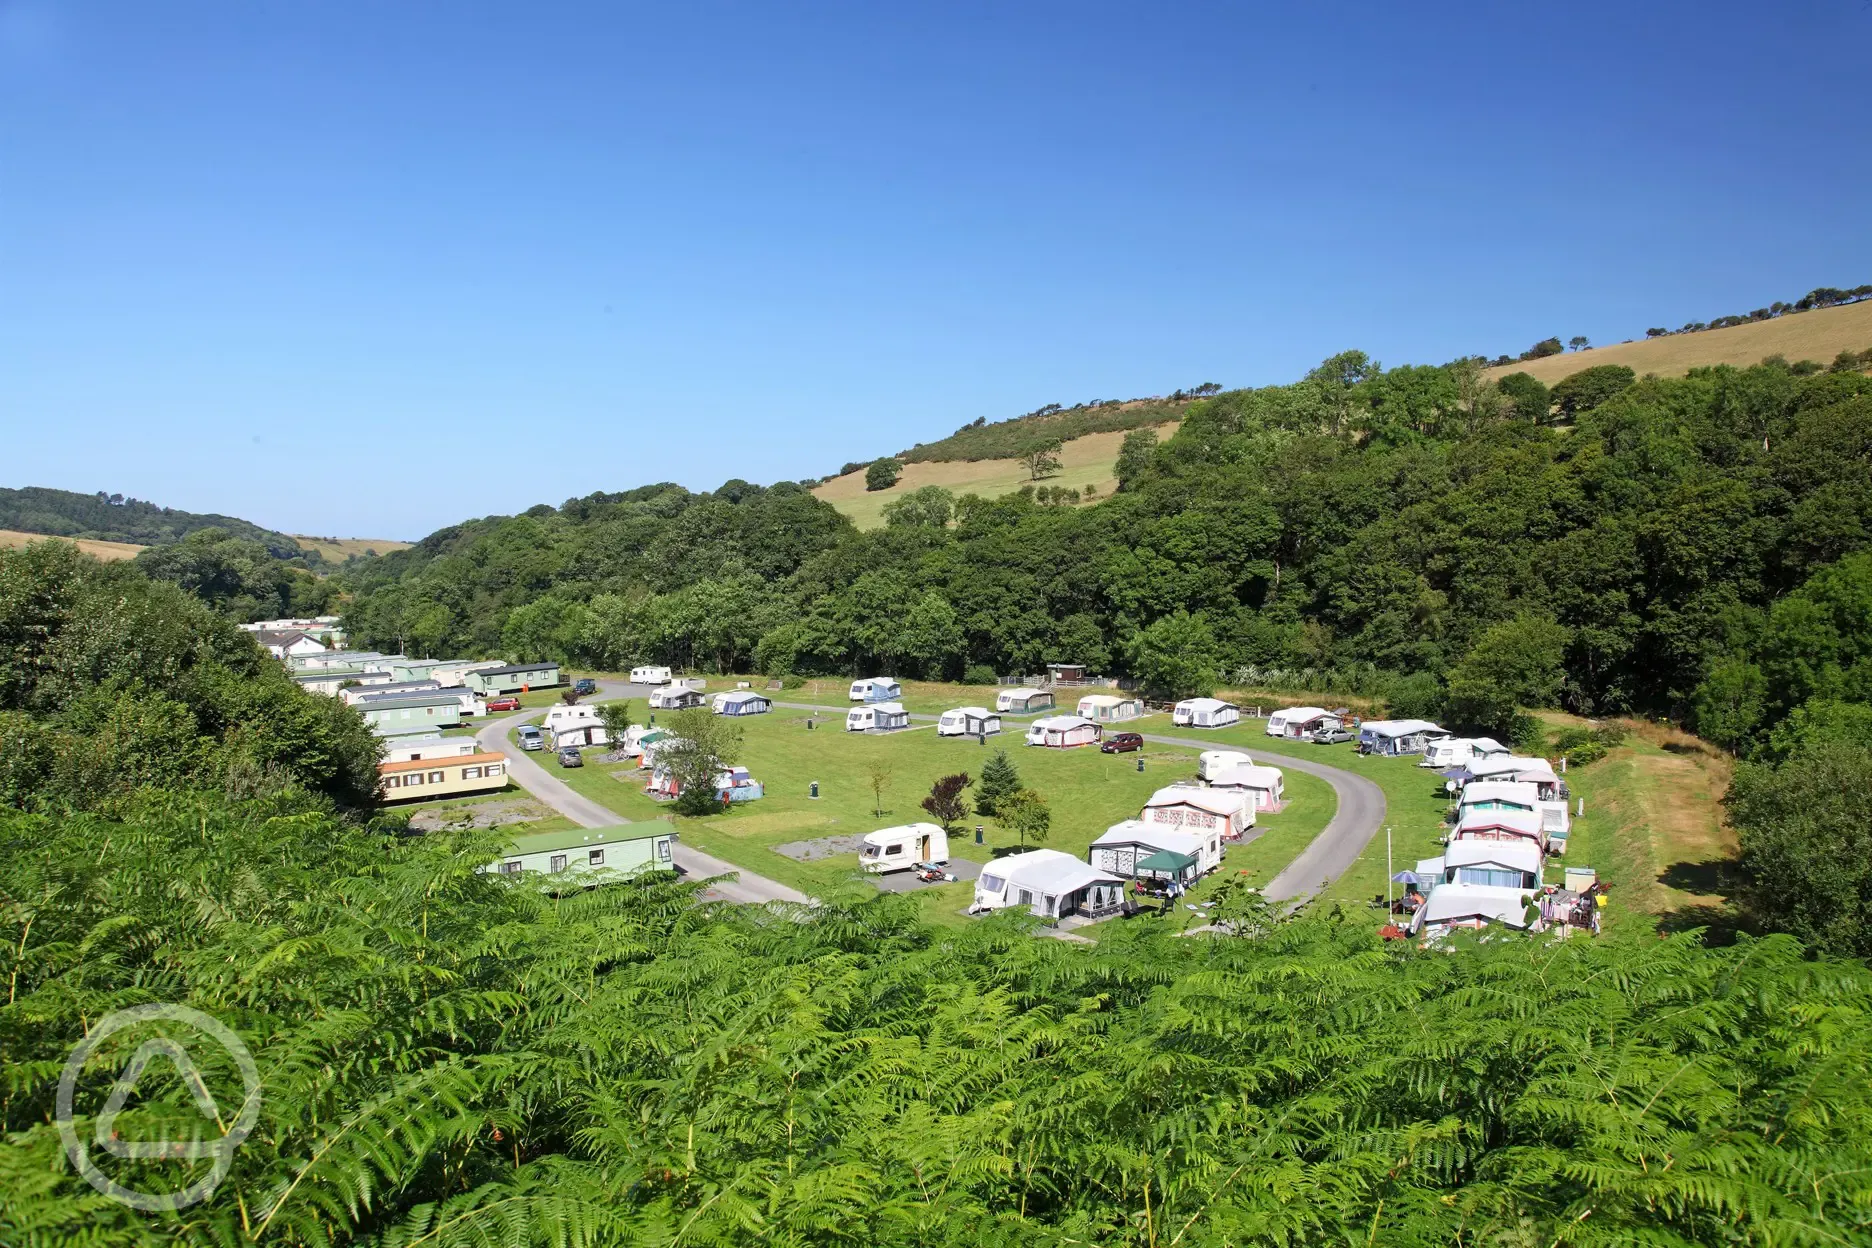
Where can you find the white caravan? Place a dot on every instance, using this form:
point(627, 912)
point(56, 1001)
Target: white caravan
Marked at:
point(650, 676)
point(898, 849)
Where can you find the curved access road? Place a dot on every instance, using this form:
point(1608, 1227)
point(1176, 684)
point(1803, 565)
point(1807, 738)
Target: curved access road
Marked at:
point(737, 885)
point(1330, 854)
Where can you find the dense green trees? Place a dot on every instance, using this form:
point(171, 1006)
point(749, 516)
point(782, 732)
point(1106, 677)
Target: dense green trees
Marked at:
point(883, 473)
point(1806, 833)
point(112, 685)
point(455, 1058)
point(237, 576)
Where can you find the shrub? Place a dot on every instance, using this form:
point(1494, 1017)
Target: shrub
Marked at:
point(883, 473)
point(978, 674)
point(1581, 746)
point(1590, 387)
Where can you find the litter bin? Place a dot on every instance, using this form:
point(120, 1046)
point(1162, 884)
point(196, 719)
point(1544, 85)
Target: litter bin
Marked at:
point(815, 789)
point(1140, 764)
point(978, 834)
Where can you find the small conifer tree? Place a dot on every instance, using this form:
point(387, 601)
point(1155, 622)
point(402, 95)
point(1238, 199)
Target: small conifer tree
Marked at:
point(999, 779)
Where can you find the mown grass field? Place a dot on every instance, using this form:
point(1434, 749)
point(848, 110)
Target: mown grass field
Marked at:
point(1083, 461)
point(106, 551)
point(339, 549)
point(1088, 792)
point(1817, 335)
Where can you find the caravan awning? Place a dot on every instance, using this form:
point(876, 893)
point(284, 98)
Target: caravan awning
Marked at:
point(1166, 862)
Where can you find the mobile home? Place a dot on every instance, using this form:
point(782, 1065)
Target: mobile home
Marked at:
point(882, 717)
point(624, 849)
point(411, 712)
point(1021, 701)
point(409, 749)
point(650, 676)
point(674, 698)
point(742, 702)
point(285, 643)
point(1299, 721)
point(451, 776)
point(1185, 806)
point(1394, 737)
point(1210, 763)
point(875, 689)
point(1105, 708)
point(1049, 884)
point(1205, 713)
point(968, 721)
point(1265, 786)
point(1062, 732)
point(491, 682)
point(1123, 845)
point(332, 681)
point(898, 849)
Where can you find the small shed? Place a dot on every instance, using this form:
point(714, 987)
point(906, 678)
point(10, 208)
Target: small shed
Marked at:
point(674, 698)
point(742, 702)
point(875, 689)
point(1106, 708)
point(899, 849)
point(1062, 732)
point(1023, 700)
point(968, 721)
point(1300, 721)
point(1265, 786)
point(1121, 847)
point(882, 717)
point(1210, 763)
point(1205, 713)
point(1395, 737)
point(1066, 673)
point(1185, 806)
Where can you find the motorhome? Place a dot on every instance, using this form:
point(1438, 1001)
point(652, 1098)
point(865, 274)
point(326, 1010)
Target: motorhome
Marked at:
point(883, 717)
point(898, 849)
point(875, 689)
point(1205, 713)
point(650, 676)
point(968, 721)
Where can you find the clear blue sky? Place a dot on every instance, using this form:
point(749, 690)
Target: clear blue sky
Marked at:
point(362, 269)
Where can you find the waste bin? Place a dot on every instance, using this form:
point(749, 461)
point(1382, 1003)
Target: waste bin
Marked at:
point(978, 834)
point(815, 789)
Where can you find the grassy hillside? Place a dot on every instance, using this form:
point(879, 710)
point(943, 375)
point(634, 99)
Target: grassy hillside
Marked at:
point(15, 539)
point(1084, 461)
point(340, 549)
point(1010, 439)
point(1817, 335)
point(114, 518)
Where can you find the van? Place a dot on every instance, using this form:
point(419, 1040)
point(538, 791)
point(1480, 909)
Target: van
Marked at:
point(530, 737)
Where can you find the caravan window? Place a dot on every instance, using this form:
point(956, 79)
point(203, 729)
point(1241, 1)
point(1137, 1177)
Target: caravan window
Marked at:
point(663, 849)
point(992, 883)
point(870, 851)
point(595, 858)
point(558, 862)
point(893, 850)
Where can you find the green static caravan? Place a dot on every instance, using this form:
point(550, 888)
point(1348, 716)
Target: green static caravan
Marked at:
point(413, 712)
point(624, 849)
point(491, 682)
point(402, 669)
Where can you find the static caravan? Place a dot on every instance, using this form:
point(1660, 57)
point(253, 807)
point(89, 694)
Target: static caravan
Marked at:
point(333, 681)
point(1264, 786)
point(1123, 845)
point(883, 717)
point(1205, 713)
point(574, 727)
point(1470, 905)
point(674, 698)
point(414, 778)
point(1049, 884)
point(968, 721)
point(1209, 763)
point(1194, 809)
point(622, 850)
point(650, 676)
point(875, 689)
point(1022, 701)
point(1062, 732)
point(409, 749)
point(1299, 721)
point(742, 702)
point(363, 660)
point(898, 849)
point(361, 695)
point(416, 669)
point(491, 682)
point(1105, 708)
point(1499, 864)
point(285, 643)
point(1459, 751)
point(457, 671)
point(411, 712)
point(1394, 737)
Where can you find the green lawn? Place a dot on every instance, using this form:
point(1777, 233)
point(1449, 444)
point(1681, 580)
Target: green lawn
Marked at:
point(1088, 792)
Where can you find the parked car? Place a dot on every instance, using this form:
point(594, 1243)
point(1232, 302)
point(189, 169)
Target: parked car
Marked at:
point(570, 757)
point(585, 686)
point(1121, 743)
point(1330, 736)
point(530, 737)
point(508, 703)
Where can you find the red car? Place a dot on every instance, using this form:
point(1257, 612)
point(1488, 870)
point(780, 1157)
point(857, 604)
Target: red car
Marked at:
point(508, 703)
point(1122, 743)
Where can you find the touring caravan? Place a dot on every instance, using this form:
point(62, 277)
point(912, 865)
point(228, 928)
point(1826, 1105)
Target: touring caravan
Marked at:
point(1211, 762)
point(1205, 713)
point(650, 676)
point(1050, 884)
point(675, 698)
point(883, 717)
point(742, 702)
point(968, 721)
point(1062, 732)
point(1394, 737)
point(1124, 845)
point(1458, 751)
point(1021, 701)
point(1299, 721)
point(572, 726)
point(875, 689)
point(1263, 785)
point(1106, 708)
point(898, 849)
point(1193, 809)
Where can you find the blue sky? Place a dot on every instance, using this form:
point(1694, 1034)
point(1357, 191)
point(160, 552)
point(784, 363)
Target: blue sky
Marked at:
point(366, 270)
